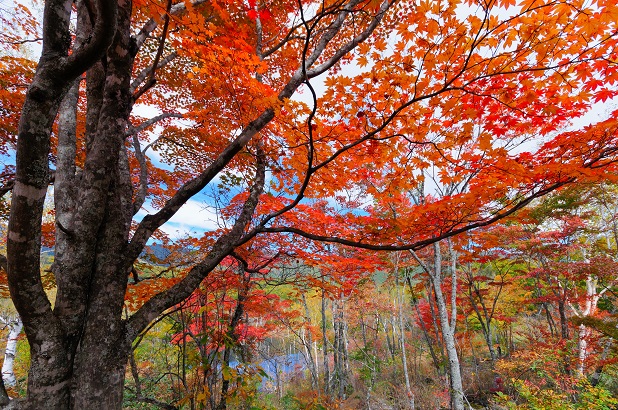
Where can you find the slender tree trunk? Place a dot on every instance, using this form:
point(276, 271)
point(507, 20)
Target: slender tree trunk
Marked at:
point(550, 319)
point(589, 308)
point(307, 342)
point(402, 340)
point(564, 321)
point(431, 300)
point(485, 319)
point(325, 345)
point(582, 349)
point(390, 344)
point(426, 336)
point(8, 375)
point(340, 352)
point(447, 328)
point(598, 371)
point(232, 338)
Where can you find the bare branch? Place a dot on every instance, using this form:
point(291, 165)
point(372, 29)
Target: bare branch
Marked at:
point(144, 73)
point(151, 78)
point(31, 40)
point(152, 24)
point(136, 130)
point(143, 176)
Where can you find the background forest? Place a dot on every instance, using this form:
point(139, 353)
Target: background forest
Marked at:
point(523, 313)
point(336, 204)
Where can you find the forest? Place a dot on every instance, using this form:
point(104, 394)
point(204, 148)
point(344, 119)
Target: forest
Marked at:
point(290, 205)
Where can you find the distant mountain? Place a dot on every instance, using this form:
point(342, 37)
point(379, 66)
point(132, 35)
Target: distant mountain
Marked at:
point(160, 252)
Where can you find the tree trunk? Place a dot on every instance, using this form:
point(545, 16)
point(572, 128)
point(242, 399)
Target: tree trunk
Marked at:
point(589, 308)
point(598, 371)
point(448, 333)
point(325, 345)
point(402, 340)
point(307, 342)
point(340, 350)
point(231, 338)
point(8, 375)
point(485, 318)
point(446, 325)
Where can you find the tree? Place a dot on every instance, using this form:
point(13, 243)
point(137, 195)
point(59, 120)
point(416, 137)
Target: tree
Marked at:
point(447, 323)
point(451, 82)
point(489, 273)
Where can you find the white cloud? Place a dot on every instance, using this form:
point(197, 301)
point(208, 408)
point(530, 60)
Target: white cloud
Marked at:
point(193, 218)
point(196, 214)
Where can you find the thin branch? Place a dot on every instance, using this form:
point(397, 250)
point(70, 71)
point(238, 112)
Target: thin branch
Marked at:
point(352, 43)
point(143, 175)
point(144, 73)
point(136, 130)
point(151, 78)
point(32, 40)
point(152, 24)
point(256, 269)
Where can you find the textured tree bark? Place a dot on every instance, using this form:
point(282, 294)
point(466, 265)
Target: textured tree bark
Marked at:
point(50, 369)
point(340, 350)
point(325, 345)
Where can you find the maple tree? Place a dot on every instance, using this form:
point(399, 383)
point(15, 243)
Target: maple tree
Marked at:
point(440, 85)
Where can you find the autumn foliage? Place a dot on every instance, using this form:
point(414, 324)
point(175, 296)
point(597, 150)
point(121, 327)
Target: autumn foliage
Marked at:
point(317, 137)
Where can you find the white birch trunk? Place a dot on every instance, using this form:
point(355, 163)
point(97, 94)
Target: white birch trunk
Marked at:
point(589, 308)
point(8, 375)
point(582, 349)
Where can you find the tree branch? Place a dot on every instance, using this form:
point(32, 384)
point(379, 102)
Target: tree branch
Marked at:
point(221, 248)
point(136, 130)
point(152, 222)
point(352, 43)
point(152, 80)
point(425, 242)
point(152, 24)
point(102, 35)
point(143, 176)
point(144, 73)
point(226, 243)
